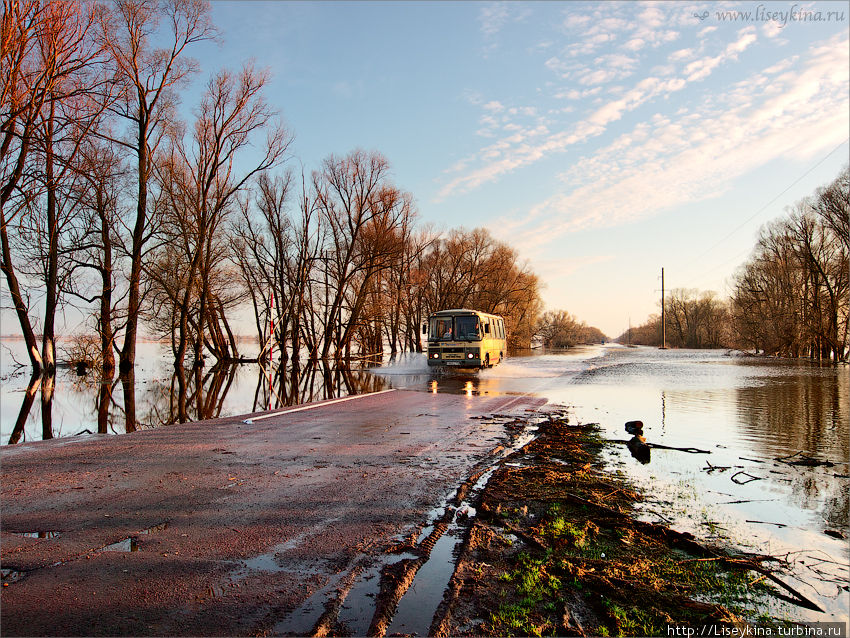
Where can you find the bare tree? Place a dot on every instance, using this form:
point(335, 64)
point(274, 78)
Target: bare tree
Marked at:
point(200, 182)
point(47, 50)
point(97, 188)
point(277, 252)
point(149, 76)
point(792, 298)
point(361, 211)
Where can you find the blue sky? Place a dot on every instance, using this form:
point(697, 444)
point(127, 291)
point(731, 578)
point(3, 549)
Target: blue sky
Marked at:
point(602, 140)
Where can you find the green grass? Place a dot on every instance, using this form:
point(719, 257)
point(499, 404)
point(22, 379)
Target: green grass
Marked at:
point(535, 590)
point(630, 584)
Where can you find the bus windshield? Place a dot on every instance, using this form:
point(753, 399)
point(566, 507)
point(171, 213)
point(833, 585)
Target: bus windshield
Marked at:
point(442, 328)
point(455, 329)
point(467, 328)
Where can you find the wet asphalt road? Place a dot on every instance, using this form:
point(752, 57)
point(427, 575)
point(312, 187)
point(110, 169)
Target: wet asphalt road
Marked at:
point(233, 526)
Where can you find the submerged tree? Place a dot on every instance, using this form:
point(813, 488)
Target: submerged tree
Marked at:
point(559, 329)
point(792, 298)
point(51, 93)
point(148, 76)
point(362, 214)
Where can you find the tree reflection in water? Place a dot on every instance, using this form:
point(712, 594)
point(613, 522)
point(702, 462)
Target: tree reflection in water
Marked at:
point(810, 410)
point(207, 393)
point(29, 397)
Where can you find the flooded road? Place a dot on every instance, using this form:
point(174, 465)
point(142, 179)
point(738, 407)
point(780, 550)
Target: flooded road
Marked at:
point(239, 526)
point(775, 436)
point(777, 479)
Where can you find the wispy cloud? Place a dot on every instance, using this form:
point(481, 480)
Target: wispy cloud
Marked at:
point(694, 154)
point(592, 77)
point(552, 270)
point(591, 80)
point(494, 16)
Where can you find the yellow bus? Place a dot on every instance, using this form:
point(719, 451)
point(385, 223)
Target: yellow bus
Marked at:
point(465, 338)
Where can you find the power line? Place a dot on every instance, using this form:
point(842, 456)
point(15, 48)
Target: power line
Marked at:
point(787, 188)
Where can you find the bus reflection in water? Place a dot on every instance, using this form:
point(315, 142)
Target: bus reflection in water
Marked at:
point(465, 338)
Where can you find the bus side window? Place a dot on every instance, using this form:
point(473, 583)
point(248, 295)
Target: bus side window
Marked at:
point(487, 328)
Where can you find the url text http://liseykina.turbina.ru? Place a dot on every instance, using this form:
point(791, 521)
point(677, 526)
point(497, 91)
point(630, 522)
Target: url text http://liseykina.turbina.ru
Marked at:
point(797, 630)
point(782, 17)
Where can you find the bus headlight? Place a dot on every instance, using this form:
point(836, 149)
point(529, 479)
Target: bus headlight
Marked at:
point(436, 355)
point(469, 355)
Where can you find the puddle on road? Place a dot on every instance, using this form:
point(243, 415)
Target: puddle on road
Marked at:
point(131, 543)
point(10, 576)
point(358, 608)
point(304, 619)
point(37, 534)
point(415, 611)
point(127, 545)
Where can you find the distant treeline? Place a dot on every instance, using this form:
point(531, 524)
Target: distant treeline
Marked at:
point(791, 298)
point(108, 201)
point(559, 329)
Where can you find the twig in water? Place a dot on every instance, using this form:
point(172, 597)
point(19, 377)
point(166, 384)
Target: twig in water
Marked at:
point(806, 461)
point(720, 468)
point(658, 446)
point(801, 600)
point(749, 480)
point(744, 458)
point(768, 523)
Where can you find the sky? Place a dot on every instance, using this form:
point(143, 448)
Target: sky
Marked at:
point(603, 141)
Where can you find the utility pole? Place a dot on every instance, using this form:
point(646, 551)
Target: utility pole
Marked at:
point(663, 322)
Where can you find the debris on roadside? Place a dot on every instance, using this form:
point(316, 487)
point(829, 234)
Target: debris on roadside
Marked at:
point(556, 550)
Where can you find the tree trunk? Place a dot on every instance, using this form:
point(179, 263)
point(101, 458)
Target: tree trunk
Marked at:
point(104, 401)
point(128, 383)
point(18, 300)
point(105, 319)
point(48, 385)
point(128, 352)
point(48, 340)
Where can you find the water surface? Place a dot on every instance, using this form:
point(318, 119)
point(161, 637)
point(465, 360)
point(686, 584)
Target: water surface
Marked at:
point(754, 417)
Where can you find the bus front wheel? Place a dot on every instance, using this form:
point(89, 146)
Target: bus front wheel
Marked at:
point(487, 360)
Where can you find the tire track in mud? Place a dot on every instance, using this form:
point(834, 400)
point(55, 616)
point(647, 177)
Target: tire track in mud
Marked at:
point(396, 572)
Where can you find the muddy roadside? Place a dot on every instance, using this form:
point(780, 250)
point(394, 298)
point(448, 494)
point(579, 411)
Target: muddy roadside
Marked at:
point(557, 548)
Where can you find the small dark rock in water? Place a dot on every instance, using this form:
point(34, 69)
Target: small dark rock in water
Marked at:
point(634, 427)
point(639, 449)
point(834, 533)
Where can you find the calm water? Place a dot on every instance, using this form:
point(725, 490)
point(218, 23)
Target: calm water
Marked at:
point(214, 391)
point(746, 412)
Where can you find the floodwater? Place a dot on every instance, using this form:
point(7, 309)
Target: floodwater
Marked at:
point(769, 440)
point(769, 444)
point(83, 405)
